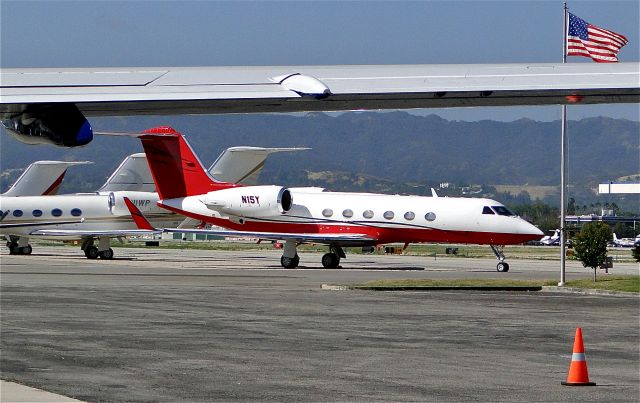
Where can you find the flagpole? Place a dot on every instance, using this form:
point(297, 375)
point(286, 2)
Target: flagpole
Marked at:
point(563, 165)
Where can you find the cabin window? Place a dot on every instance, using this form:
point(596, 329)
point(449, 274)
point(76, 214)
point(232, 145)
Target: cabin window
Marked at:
point(388, 215)
point(367, 214)
point(76, 212)
point(502, 210)
point(409, 215)
point(430, 216)
point(348, 213)
point(37, 213)
point(327, 212)
point(17, 213)
point(487, 210)
point(56, 212)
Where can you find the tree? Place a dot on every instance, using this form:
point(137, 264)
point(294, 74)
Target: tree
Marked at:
point(590, 245)
point(571, 207)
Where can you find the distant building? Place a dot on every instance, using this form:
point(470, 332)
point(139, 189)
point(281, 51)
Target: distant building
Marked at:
point(615, 188)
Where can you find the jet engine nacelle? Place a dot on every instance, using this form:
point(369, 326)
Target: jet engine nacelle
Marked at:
point(58, 124)
point(250, 201)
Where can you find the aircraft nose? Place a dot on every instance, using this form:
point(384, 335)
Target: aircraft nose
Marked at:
point(529, 229)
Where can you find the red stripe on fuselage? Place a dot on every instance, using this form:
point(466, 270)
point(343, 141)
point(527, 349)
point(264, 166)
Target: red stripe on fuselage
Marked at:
point(382, 235)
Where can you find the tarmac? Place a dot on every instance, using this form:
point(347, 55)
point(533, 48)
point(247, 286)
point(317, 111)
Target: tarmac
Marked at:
point(184, 325)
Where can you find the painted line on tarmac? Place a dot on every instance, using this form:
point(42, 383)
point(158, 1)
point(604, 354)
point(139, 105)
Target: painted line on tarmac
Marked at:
point(15, 392)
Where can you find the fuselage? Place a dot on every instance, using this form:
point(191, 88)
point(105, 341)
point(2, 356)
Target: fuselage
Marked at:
point(98, 212)
point(384, 218)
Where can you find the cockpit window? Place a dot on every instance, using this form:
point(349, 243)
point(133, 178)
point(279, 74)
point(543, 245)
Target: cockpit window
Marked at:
point(502, 210)
point(487, 210)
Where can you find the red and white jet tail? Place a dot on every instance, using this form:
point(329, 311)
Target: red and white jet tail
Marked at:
point(176, 170)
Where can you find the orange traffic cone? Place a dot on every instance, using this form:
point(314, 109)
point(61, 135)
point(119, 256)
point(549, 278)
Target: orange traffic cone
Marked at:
point(578, 374)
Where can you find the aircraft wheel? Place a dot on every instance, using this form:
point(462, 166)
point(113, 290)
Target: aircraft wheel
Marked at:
point(26, 250)
point(13, 248)
point(290, 262)
point(91, 252)
point(503, 267)
point(330, 260)
point(106, 254)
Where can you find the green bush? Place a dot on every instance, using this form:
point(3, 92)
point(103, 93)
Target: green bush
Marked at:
point(590, 245)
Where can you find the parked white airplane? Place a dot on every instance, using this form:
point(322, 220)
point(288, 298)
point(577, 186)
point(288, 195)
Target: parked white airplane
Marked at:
point(551, 240)
point(625, 242)
point(311, 215)
point(41, 178)
point(51, 105)
point(104, 215)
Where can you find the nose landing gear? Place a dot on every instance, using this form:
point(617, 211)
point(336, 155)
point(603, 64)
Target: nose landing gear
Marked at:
point(502, 266)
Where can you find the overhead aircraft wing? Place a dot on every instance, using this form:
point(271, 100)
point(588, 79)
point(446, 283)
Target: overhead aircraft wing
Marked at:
point(51, 105)
point(245, 89)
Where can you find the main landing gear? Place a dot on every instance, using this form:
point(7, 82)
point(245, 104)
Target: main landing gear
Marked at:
point(290, 258)
point(16, 249)
point(102, 251)
point(502, 266)
point(331, 260)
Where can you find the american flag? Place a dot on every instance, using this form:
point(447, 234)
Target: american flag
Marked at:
point(584, 39)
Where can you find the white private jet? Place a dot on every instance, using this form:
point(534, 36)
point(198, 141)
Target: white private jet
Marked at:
point(551, 240)
point(311, 215)
point(625, 242)
point(104, 215)
point(51, 105)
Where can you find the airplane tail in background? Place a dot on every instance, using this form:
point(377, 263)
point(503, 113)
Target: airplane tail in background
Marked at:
point(132, 174)
point(176, 170)
point(42, 178)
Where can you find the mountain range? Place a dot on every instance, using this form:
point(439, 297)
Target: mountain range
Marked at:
point(394, 152)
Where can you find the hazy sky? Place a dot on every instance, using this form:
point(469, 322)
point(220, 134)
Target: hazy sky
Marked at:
point(192, 33)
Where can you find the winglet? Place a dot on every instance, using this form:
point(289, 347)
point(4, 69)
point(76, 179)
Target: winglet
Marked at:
point(433, 193)
point(140, 220)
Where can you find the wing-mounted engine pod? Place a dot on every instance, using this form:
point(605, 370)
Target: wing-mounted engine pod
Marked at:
point(250, 201)
point(58, 124)
point(303, 85)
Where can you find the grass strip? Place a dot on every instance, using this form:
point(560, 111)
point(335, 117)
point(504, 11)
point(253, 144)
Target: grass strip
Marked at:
point(610, 283)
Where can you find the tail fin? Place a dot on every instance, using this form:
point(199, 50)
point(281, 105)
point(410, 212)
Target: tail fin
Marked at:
point(132, 174)
point(176, 170)
point(42, 178)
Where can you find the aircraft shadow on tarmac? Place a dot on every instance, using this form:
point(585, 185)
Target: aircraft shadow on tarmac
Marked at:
point(364, 268)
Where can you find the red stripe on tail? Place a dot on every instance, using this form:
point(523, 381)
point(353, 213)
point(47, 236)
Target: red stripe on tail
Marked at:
point(176, 170)
point(55, 186)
